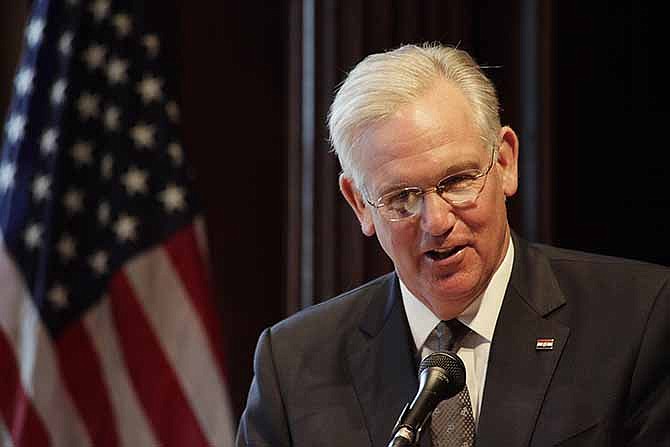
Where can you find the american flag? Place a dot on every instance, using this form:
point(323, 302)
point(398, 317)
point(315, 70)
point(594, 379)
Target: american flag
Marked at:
point(108, 332)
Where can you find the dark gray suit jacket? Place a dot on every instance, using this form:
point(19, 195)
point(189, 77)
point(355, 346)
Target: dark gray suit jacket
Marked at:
point(339, 373)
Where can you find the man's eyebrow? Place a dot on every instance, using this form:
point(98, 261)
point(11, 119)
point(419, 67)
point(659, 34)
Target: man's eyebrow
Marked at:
point(462, 165)
point(458, 167)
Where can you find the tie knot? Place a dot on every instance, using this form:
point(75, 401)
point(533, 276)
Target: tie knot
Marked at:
point(448, 335)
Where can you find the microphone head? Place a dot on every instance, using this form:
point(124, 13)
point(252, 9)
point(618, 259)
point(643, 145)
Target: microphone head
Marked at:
point(452, 367)
point(441, 376)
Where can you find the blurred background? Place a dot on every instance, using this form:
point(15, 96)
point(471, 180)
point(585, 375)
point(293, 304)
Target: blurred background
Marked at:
point(581, 82)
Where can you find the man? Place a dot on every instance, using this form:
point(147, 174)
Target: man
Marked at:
point(560, 347)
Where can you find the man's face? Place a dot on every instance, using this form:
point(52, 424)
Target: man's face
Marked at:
point(445, 255)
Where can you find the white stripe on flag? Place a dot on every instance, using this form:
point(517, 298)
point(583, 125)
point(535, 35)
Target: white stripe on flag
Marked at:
point(38, 364)
point(184, 340)
point(5, 438)
point(133, 427)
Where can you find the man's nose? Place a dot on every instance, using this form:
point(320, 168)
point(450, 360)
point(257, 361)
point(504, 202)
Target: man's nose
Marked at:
point(437, 215)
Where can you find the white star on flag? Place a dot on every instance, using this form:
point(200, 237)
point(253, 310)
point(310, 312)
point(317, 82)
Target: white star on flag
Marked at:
point(150, 89)
point(123, 24)
point(41, 187)
point(48, 140)
point(111, 118)
point(107, 166)
point(116, 71)
point(88, 105)
point(73, 201)
point(143, 135)
point(15, 128)
point(65, 42)
point(99, 262)
point(100, 9)
point(176, 153)
point(58, 91)
point(152, 44)
point(94, 56)
point(58, 296)
point(24, 81)
point(82, 153)
point(7, 173)
point(33, 235)
point(125, 228)
point(172, 198)
point(104, 212)
point(34, 32)
point(172, 110)
point(135, 181)
point(67, 248)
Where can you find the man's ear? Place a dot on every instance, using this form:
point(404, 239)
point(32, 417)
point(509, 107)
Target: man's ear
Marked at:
point(508, 157)
point(357, 203)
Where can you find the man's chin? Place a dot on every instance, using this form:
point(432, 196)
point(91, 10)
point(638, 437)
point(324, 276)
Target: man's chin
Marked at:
point(448, 297)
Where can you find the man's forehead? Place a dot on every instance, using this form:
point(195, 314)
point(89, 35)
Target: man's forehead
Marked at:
point(440, 115)
point(405, 139)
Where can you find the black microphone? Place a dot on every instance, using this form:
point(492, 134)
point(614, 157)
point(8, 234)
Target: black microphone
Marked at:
point(441, 376)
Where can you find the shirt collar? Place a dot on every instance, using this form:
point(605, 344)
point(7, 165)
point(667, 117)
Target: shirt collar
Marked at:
point(480, 316)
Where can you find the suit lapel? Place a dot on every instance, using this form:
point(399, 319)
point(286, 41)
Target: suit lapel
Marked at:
point(518, 374)
point(381, 362)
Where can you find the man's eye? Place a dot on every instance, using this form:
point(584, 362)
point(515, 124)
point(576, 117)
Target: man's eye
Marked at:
point(401, 195)
point(458, 180)
point(399, 198)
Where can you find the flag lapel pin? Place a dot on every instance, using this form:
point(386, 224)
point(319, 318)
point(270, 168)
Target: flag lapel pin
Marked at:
point(544, 344)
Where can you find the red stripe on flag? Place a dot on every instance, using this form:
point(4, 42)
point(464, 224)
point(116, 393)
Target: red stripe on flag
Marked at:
point(82, 374)
point(152, 375)
point(21, 418)
point(182, 249)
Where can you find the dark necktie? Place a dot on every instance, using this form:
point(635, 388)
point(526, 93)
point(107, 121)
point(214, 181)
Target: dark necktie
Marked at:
point(452, 423)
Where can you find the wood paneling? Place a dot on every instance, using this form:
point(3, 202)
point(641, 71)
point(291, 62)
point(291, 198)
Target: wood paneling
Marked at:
point(233, 59)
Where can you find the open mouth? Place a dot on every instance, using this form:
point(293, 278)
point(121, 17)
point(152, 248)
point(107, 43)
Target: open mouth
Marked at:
point(438, 255)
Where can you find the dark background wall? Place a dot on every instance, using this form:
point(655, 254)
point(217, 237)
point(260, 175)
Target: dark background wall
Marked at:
point(580, 81)
point(611, 191)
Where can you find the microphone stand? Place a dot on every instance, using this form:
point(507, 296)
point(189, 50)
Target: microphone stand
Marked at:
point(403, 437)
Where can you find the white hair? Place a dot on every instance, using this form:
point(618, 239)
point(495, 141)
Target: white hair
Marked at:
point(382, 83)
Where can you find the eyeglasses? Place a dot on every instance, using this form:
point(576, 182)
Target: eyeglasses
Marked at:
point(459, 190)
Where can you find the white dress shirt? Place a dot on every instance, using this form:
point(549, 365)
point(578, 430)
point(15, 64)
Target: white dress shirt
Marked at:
point(480, 316)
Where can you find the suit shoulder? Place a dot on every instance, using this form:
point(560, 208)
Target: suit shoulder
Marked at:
point(599, 275)
point(341, 311)
point(558, 256)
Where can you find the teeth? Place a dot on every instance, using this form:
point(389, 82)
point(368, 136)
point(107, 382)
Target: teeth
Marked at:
point(439, 254)
point(442, 253)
